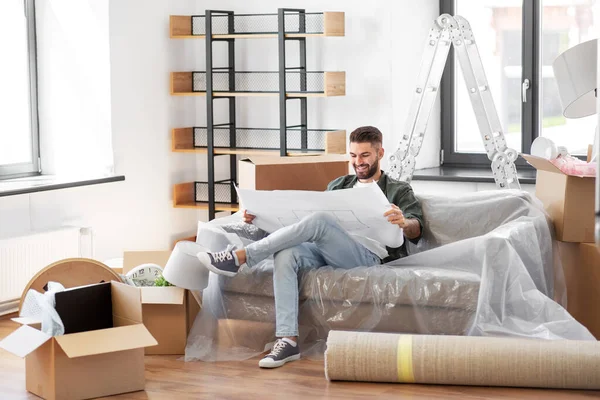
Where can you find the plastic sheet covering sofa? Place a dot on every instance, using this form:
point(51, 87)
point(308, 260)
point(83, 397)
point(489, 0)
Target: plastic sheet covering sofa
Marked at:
point(487, 265)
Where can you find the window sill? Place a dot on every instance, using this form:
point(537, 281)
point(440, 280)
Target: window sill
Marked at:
point(468, 174)
point(42, 183)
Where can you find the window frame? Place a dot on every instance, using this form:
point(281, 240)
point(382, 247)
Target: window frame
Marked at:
point(530, 60)
point(17, 170)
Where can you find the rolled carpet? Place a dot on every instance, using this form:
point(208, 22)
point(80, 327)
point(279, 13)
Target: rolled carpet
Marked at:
point(462, 360)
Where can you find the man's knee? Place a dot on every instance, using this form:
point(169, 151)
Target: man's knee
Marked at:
point(319, 218)
point(287, 258)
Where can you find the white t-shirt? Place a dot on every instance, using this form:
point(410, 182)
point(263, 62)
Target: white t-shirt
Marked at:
point(372, 245)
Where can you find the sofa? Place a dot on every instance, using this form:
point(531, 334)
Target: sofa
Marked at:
point(486, 265)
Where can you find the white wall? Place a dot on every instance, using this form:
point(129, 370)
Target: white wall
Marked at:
point(137, 213)
point(380, 53)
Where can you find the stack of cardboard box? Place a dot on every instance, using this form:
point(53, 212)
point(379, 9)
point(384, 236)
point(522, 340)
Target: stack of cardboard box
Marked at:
point(569, 201)
point(95, 357)
point(108, 327)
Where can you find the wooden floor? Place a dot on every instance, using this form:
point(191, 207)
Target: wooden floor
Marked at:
point(168, 378)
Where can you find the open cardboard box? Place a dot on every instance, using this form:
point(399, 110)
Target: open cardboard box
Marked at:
point(168, 312)
point(86, 364)
point(291, 173)
point(569, 200)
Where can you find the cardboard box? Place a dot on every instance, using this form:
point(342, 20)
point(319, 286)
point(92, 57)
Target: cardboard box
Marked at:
point(569, 200)
point(581, 266)
point(168, 312)
point(291, 173)
point(86, 364)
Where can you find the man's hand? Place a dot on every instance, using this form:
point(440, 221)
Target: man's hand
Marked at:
point(411, 227)
point(248, 218)
point(395, 216)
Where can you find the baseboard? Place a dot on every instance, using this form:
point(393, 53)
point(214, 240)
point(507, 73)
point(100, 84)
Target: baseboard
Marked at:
point(9, 307)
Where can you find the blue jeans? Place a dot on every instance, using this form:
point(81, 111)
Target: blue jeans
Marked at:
point(315, 241)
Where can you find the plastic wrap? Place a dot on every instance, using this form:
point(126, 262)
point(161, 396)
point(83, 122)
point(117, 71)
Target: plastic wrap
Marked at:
point(487, 265)
point(41, 307)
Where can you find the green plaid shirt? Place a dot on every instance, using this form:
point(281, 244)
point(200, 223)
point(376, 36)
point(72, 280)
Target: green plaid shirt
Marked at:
point(398, 193)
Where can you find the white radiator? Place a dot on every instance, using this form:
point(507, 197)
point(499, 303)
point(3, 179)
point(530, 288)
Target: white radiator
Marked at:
point(24, 256)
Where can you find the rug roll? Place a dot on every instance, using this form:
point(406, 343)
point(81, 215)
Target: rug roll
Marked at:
point(462, 360)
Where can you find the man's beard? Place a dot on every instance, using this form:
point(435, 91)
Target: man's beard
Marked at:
point(368, 174)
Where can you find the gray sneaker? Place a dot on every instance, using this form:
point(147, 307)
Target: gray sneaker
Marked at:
point(283, 351)
point(222, 263)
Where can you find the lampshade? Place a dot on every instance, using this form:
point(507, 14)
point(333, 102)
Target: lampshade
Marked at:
point(575, 73)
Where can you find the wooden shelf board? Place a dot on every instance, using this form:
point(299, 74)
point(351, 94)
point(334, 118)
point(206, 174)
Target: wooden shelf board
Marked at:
point(188, 93)
point(255, 152)
point(253, 36)
point(182, 85)
point(204, 206)
point(180, 27)
point(182, 141)
point(248, 94)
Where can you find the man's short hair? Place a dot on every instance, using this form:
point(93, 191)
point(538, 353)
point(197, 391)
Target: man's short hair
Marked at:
point(366, 134)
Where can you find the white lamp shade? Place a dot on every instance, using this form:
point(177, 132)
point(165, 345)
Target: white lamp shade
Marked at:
point(575, 73)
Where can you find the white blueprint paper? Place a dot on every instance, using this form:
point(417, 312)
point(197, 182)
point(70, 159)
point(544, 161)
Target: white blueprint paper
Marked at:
point(358, 210)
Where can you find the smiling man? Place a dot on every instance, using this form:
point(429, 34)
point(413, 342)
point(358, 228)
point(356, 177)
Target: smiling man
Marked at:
point(319, 240)
point(366, 152)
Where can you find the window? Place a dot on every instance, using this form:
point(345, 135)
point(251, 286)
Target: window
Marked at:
point(18, 105)
point(500, 51)
point(517, 40)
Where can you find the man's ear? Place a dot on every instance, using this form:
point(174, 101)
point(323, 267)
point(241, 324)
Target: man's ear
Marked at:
point(380, 153)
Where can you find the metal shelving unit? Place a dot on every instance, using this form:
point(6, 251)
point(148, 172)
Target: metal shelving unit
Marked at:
point(224, 82)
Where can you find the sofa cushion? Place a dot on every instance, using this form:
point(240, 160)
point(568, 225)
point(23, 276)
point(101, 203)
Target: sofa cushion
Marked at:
point(319, 317)
point(322, 317)
point(419, 286)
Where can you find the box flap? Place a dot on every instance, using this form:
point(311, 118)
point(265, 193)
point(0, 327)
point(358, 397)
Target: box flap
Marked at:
point(126, 302)
point(132, 259)
point(24, 341)
point(541, 164)
point(106, 341)
point(26, 321)
point(272, 160)
point(162, 295)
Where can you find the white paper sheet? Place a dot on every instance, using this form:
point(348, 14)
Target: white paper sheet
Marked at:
point(358, 210)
